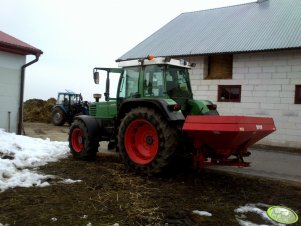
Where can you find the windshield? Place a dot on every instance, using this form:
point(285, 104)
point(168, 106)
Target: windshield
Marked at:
point(75, 99)
point(174, 82)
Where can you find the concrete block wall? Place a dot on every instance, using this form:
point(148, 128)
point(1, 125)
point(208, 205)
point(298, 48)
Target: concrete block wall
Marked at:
point(267, 82)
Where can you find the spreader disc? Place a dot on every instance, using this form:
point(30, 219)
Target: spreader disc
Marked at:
point(282, 214)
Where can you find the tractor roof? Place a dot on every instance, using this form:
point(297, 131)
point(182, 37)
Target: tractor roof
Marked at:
point(154, 61)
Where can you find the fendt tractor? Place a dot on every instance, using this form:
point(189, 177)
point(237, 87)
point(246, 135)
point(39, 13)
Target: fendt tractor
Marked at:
point(154, 118)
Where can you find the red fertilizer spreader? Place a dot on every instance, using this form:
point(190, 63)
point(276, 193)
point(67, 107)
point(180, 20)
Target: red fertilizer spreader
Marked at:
point(224, 140)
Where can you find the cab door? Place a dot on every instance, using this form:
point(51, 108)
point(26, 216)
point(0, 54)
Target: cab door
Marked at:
point(129, 84)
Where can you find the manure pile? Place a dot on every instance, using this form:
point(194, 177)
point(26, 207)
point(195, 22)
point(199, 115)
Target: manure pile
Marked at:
point(37, 110)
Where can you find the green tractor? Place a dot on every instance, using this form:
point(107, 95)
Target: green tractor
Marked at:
point(144, 121)
point(154, 119)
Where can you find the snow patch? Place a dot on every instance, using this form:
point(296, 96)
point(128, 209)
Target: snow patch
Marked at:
point(70, 181)
point(21, 155)
point(254, 208)
point(54, 219)
point(202, 213)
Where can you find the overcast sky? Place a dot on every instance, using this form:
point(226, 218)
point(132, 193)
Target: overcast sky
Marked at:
point(76, 36)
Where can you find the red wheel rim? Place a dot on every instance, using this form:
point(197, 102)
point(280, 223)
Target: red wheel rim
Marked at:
point(141, 141)
point(77, 140)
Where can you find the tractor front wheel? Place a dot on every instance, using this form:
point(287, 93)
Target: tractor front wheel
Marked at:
point(58, 117)
point(146, 141)
point(82, 146)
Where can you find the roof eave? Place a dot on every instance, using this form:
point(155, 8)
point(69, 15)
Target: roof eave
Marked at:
point(6, 47)
point(215, 53)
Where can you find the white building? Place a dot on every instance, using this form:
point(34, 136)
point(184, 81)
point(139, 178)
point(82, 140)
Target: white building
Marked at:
point(12, 75)
point(248, 60)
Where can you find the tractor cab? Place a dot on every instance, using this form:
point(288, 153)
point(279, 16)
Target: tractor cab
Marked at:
point(155, 78)
point(166, 79)
point(151, 77)
point(69, 99)
point(161, 79)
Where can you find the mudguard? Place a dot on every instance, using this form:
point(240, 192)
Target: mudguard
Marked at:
point(159, 104)
point(61, 107)
point(93, 125)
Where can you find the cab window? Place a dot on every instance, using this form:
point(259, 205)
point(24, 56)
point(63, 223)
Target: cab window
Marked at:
point(129, 82)
point(153, 84)
point(177, 82)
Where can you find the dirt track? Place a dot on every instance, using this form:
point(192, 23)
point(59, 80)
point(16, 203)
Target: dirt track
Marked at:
point(45, 130)
point(54, 133)
point(109, 194)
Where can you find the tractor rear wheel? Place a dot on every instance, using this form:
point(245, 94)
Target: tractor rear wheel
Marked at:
point(82, 146)
point(146, 141)
point(58, 117)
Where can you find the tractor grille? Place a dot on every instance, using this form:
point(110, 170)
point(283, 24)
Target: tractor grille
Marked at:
point(92, 110)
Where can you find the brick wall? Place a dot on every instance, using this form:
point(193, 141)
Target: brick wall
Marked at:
point(267, 82)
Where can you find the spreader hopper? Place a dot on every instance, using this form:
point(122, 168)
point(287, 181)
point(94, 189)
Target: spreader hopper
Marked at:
point(219, 137)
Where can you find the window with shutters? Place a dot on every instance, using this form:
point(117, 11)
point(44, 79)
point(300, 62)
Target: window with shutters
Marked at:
point(298, 94)
point(229, 93)
point(220, 66)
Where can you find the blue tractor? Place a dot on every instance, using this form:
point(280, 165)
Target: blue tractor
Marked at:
point(68, 106)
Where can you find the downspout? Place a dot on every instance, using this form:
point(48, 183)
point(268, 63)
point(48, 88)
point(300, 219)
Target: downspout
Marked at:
point(8, 129)
point(20, 120)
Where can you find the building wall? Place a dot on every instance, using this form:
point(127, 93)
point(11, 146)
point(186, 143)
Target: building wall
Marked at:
point(10, 70)
point(267, 82)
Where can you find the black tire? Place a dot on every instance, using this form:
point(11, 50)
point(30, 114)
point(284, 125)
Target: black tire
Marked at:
point(163, 141)
point(58, 117)
point(82, 146)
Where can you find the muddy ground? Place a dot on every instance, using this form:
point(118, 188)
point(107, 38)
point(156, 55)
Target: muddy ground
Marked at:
point(109, 194)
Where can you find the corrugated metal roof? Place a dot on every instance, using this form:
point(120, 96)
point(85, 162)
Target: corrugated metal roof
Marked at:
point(269, 25)
point(10, 44)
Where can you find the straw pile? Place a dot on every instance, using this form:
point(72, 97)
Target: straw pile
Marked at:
point(37, 110)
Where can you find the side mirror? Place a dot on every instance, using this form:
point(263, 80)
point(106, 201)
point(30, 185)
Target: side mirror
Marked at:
point(96, 77)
